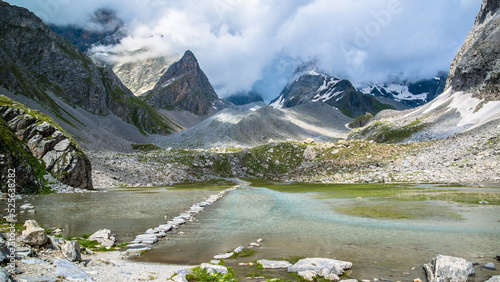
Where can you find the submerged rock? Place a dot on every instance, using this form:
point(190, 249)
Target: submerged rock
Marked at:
point(448, 268)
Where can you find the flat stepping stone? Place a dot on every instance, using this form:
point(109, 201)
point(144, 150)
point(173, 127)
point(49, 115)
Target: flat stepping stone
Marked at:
point(145, 249)
point(165, 227)
point(136, 246)
point(274, 264)
point(152, 231)
point(224, 256)
point(150, 241)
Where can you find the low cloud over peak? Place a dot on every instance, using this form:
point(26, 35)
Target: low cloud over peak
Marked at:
point(257, 44)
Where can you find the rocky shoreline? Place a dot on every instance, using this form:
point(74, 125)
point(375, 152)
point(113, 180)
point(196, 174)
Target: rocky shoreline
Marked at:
point(468, 158)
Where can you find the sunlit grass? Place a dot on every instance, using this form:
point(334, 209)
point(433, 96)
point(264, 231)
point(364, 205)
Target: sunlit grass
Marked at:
point(400, 211)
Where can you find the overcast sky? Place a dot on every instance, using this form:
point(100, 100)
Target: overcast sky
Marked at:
point(245, 44)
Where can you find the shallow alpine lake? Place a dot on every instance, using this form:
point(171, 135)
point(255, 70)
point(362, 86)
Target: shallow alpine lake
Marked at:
point(386, 231)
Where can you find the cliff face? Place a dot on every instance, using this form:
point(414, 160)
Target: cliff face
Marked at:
point(45, 140)
point(16, 158)
point(183, 86)
point(34, 60)
point(476, 67)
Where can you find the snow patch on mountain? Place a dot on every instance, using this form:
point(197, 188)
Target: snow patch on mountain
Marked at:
point(466, 105)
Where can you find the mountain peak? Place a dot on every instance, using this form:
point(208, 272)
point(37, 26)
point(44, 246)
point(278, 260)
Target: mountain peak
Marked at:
point(184, 86)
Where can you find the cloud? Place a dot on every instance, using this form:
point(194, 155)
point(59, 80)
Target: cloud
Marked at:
point(245, 44)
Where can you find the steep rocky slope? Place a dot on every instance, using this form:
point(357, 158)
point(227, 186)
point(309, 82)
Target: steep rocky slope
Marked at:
point(476, 67)
point(186, 87)
point(34, 60)
point(470, 101)
point(256, 123)
point(46, 141)
point(312, 86)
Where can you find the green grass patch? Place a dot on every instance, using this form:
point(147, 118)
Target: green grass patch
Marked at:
point(244, 254)
point(200, 274)
point(386, 132)
point(472, 198)
point(400, 211)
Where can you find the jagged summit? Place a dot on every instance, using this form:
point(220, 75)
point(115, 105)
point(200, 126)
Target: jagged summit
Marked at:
point(309, 85)
point(184, 86)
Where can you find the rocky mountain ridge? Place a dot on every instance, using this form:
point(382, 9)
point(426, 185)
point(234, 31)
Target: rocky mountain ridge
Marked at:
point(34, 60)
point(313, 86)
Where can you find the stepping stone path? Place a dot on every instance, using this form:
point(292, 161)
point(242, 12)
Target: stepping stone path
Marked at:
point(146, 241)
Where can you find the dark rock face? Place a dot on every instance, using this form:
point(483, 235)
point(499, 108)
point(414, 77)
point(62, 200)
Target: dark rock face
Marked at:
point(476, 67)
point(339, 93)
point(183, 86)
point(34, 59)
point(48, 142)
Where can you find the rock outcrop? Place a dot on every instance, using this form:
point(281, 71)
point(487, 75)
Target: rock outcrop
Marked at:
point(476, 67)
point(16, 157)
point(35, 60)
point(183, 86)
point(48, 142)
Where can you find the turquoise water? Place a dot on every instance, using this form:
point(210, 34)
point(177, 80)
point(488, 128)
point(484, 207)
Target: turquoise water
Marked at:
point(304, 224)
